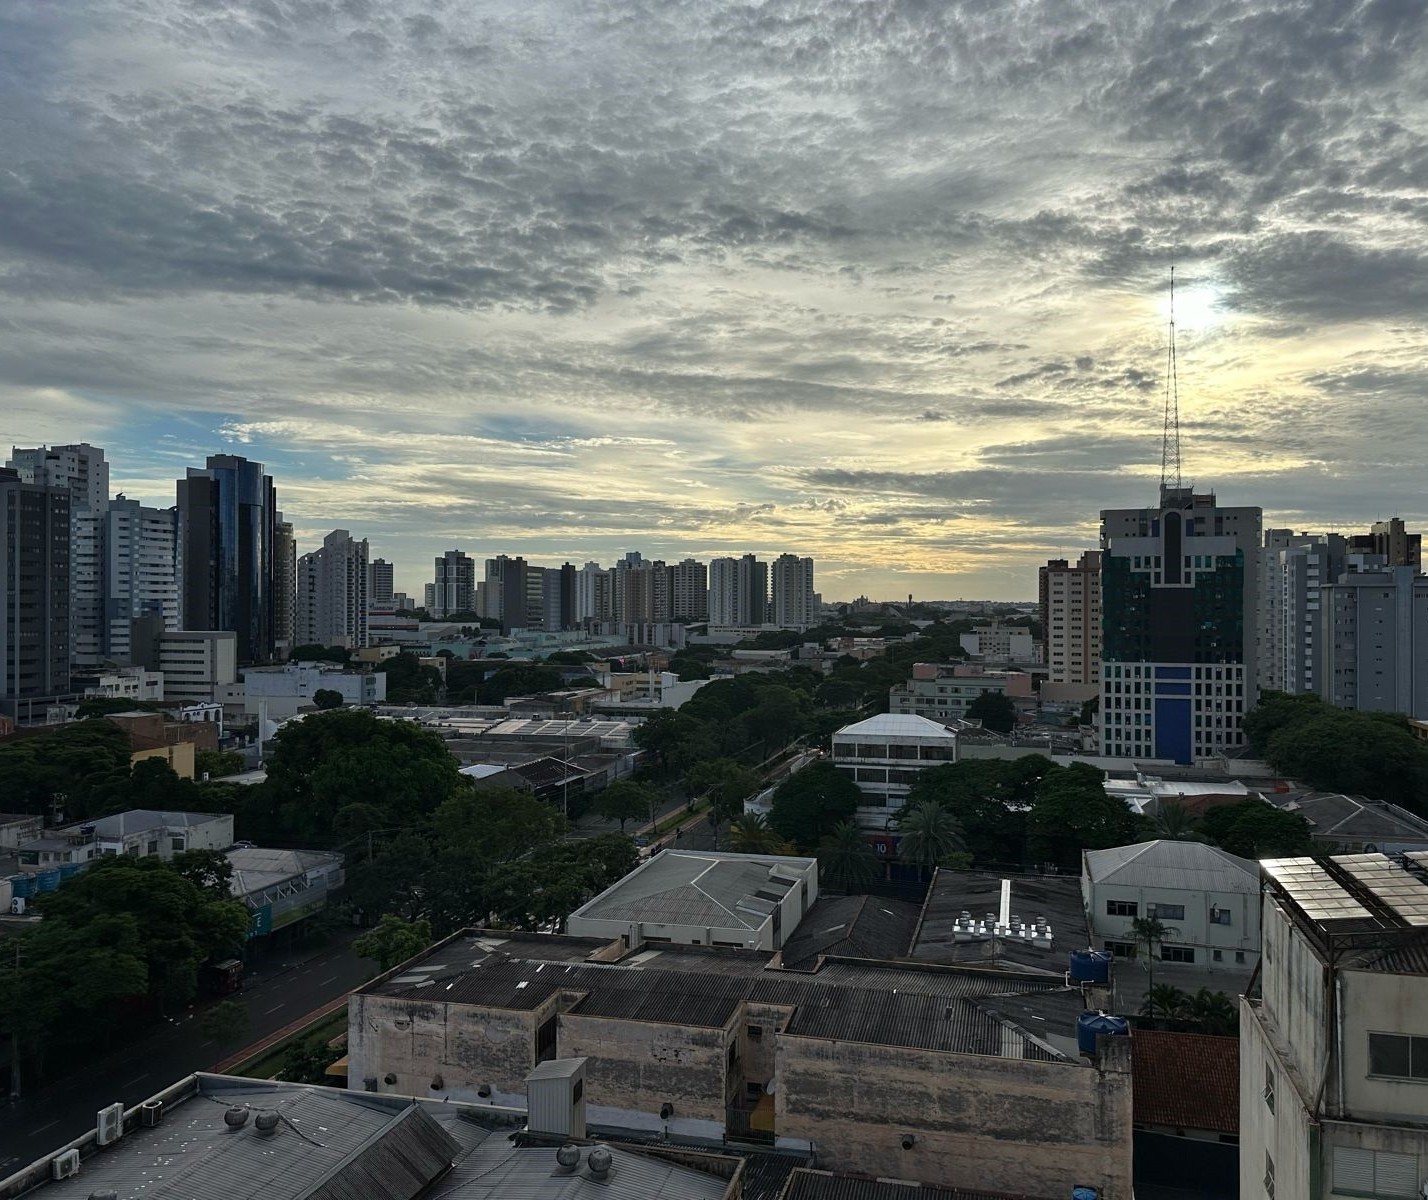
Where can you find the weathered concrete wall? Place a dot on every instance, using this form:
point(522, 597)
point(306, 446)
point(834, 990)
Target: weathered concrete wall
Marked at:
point(1006, 1125)
point(464, 1045)
point(640, 1065)
point(758, 1056)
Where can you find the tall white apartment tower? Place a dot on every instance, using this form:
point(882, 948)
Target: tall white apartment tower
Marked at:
point(1071, 619)
point(1375, 644)
point(691, 591)
point(1291, 630)
point(724, 591)
point(80, 470)
point(380, 583)
point(593, 600)
point(793, 602)
point(454, 586)
point(140, 572)
point(332, 593)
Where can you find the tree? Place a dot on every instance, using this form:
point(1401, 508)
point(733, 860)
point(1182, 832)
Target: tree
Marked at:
point(496, 824)
point(225, 1022)
point(63, 767)
point(810, 803)
point(1151, 933)
point(409, 681)
point(928, 835)
point(1072, 813)
point(393, 941)
point(624, 800)
point(1164, 1004)
point(1257, 829)
point(994, 710)
point(210, 871)
point(988, 798)
point(518, 679)
point(1173, 822)
point(750, 834)
point(1213, 1012)
point(217, 763)
point(306, 1061)
point(327, 698)
point(725, 783)
point(845, 859)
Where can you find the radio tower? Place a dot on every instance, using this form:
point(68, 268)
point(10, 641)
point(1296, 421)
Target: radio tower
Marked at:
point(1170, 440)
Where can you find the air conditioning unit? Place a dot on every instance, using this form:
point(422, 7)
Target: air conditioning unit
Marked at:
point(62, 1166)
point(109, 1125)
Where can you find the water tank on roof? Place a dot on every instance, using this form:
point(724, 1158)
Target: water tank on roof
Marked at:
point(1090, 1025)
point(22, 885)
point(1084, 1193)
point(1090, 966)
point(69, 870)
point(47, 881)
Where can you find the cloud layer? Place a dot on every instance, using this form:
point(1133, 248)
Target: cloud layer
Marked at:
point(879, 281)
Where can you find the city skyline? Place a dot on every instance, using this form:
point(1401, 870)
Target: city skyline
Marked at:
point(881, 284)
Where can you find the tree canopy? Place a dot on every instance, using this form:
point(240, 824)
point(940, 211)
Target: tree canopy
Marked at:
point(994, 710)
point(811, 803)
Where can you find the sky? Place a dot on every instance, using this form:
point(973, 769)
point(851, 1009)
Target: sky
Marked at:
point(883, 282)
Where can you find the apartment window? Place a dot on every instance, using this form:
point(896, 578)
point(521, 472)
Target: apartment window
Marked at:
point(1122, 908)
point(1240, 957)
point(1177, 954)
point(1268, 1176)
point(1219, 916)
point(1166, 912)
point(176, 845)
point(1268, 1092)
point(1398, 1056)
point(1375, 1172)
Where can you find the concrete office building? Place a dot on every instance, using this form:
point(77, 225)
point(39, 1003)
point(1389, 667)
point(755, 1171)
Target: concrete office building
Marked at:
point(1331, 1070)
point(738, 591)
point(1291, 635)
point(594, 600)
point(1375, 647)
point(332, 593)
point(944, 691)
point(794, 605)
point(453, 588)
point(691, 592)
point(82, 472)
point(1179, 603)
point(195, 663)
point(1391, 542)
point(380, 583)
point(140, 572)
point(998, 643)
point(1071, 619)
point(227, 522)
point(883, 756)
point(34, 602)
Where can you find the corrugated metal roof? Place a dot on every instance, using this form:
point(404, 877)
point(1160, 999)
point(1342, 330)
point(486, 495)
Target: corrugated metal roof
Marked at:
point(852, 926)
point(497, 1170)
point(1175, 866)
point(399, 1162)
point(809, 1184)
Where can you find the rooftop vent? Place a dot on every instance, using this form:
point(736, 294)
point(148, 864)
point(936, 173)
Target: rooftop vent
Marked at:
point(266, 1122)
point(568, 1156)
point(236, 1117)
point(600, 1161)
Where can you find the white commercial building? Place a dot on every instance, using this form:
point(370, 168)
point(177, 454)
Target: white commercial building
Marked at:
point(1207, 899)
point(282, 692)
point(140, 572)
point(196, 663)
point(1332, 1075)
point(1000, 643)
point(883, 756)
point(127, 683)
point(746, 901)
point(1375, 645)
point(138, 833)
point(794, 602)
point(332, 593)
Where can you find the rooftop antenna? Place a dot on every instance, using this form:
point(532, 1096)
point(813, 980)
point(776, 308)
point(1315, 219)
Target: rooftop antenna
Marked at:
point(1170, 440)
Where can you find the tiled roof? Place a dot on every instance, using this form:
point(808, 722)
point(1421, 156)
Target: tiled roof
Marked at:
point(1186, 1080)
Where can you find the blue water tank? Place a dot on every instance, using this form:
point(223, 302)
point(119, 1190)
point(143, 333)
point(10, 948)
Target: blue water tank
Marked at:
point(1084, 1193)
point(22, 885)
point(47, 881)
point(1091, 966)
point(1090, 1025)
point(69, 870)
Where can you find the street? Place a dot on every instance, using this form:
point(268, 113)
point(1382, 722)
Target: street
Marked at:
point(276, 994)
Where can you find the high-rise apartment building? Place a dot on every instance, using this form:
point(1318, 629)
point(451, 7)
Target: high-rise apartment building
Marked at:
point(594, 600)
point(753, 584)
point(454, 587)
point(80, 470)
point(228, 516)
point(1294, 566)
point(738, 591)
point(1392, 542)
point(690, 581)
point(724, 591)
point(1071, 619)
point(140, 573)
point(35, 590)
point(332, 593)
point(1375, 639)
point(284, 586)
point(1179, 602)
point(381, 583)
point(793, 596)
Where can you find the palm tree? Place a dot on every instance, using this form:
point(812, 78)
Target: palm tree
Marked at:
point(750, 834)
point(1173, 822)
point(1150, 932)
point(846, 860)
point(929, 835)
point(1213, 1012)
point(1165, 1003)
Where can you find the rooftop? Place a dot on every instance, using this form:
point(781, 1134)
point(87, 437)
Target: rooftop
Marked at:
point(851, 927)
point(1336, 817)
point(954, 1009)
point(899, 725)
point(1174, 866)
point(140, 820)
point(256, 869)
point(808, 1184)
point(1057, 898)
point(686, 887)
point(1186, 1080)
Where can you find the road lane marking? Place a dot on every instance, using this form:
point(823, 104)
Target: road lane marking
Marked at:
point(42, 1128)
point(272, 1010)
point(325, 982)
point(136, 1079)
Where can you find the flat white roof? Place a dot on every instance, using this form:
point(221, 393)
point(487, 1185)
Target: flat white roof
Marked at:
point(897, 725)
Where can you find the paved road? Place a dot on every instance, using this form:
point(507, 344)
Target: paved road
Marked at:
point(277, 993)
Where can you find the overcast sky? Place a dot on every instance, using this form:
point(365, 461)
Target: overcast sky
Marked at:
point(881, 282)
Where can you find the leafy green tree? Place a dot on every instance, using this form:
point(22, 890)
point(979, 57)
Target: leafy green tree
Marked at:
point(327, 698)
point(1072, 813)
point(810, 803)
point(210, 871)
point(1213, 1013)
point(1151, 933)
point(307, 1061)
point(496, 824)
point(661, 733)
point(1165, 1004)
point(1256, 829)
point(1173, 822)
point(988, 799)
point(217, 763)
point(63, 767)
point(994, 710)
point(625, 800)
point(1089, 709)
point(226, 1022)
point(393, 941)
point(725, 783)
point(518, 679)
point(409, 681)
point(845, 860)
point(750, 834)
point(929, 836)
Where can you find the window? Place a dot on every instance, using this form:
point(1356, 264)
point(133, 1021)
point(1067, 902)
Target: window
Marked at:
point(756, 1032)
point(176, 845)
point(1268, 1092)
point(1375, 1172)
point(1217, 955)
point(1268, 1176)
point(1219, 916)
point(1166, 912)
point(1122, 908)
point(1178, 954)
point(1398, 1055)
point(1239, 956)
point(1121, 949)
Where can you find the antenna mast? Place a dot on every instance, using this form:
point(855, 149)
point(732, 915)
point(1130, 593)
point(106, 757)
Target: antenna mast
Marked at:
point(1170, 439)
